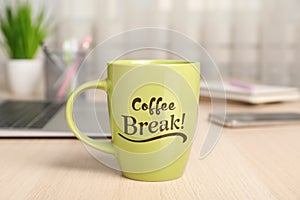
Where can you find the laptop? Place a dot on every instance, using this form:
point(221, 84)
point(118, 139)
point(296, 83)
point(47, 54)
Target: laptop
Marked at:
point(47, 119)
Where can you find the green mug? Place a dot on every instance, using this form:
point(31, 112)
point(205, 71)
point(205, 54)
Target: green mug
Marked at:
point(153, 109)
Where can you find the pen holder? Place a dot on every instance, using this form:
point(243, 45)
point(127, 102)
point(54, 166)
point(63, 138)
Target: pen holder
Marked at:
point(61, 74)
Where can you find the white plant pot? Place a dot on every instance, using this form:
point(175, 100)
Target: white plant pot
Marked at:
point(24, 75)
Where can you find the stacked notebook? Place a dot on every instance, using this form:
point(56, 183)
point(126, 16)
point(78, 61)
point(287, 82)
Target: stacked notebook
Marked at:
point(249, 93)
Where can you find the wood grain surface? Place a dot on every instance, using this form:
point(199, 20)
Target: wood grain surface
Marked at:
point(249, 163)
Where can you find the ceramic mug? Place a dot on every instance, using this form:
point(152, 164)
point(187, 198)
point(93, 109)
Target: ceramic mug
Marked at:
point(153, 109)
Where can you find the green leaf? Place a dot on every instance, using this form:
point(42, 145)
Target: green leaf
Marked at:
point(22, 33)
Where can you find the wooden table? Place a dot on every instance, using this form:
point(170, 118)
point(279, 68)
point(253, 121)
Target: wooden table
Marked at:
point(252, 163)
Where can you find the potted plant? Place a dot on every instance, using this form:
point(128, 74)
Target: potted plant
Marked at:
point(23, 33)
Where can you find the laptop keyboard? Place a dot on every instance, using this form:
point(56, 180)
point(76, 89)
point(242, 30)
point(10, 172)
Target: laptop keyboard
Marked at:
point(27, 114)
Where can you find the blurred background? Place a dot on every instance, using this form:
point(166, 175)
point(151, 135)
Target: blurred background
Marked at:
point(257, 40)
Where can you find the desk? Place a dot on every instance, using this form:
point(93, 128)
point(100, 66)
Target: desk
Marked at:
point(256, 163)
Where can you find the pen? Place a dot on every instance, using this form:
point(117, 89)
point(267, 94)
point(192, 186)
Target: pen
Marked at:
point(54, 59)
point(241, 84)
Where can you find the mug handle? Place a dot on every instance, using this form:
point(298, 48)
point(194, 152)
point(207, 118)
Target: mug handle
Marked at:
point(104, 146)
